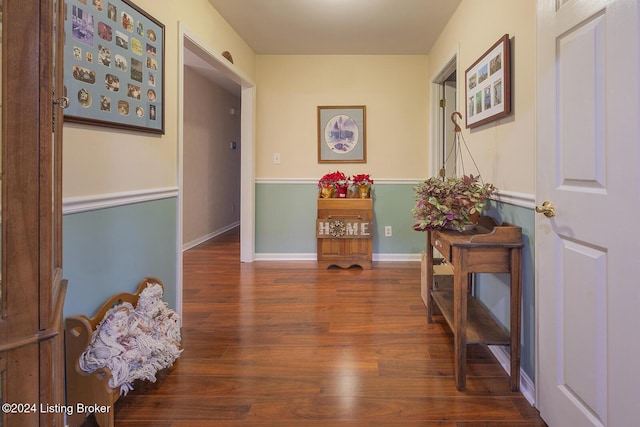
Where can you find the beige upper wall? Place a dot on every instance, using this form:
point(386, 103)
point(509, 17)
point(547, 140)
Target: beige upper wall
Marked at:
point(505, 149)
point(394, 90)
point(99, 160)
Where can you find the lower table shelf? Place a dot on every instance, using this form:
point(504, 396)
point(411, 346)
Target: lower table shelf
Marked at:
point(481, 327)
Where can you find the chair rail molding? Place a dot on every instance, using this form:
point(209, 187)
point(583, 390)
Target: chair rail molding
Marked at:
point(524, 200)
point(71, 205)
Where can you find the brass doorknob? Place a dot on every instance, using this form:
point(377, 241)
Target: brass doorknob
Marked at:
point(547, 209)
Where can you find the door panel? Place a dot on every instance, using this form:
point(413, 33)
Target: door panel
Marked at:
point(582, 100)
point(588, 153)
point(582, 333)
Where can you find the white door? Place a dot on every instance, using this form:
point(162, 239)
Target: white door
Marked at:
point(588, 255)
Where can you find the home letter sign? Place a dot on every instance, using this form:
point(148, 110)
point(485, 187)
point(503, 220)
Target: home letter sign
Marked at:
point(344, 228)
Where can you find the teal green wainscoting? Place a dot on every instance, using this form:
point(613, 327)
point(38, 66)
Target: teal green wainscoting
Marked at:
point(286, 219)
point(107, 251)
point(493, 289)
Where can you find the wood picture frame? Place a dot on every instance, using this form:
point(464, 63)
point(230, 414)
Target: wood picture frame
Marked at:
point(342, 134)
point(114, 65)
point(488, 85)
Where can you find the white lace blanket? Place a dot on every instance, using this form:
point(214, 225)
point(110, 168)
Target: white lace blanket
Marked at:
point(135, 343)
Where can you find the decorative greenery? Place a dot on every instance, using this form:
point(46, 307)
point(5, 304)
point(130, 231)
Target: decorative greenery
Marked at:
point(449, 203)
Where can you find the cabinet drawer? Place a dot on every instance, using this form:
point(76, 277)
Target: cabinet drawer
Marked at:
point(441, 245)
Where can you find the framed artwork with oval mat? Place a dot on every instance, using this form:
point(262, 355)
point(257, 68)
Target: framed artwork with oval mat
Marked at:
point(342, 134)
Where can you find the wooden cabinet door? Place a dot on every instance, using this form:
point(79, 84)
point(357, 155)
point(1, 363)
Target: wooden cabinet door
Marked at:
point(32, 291)
point(359, 249)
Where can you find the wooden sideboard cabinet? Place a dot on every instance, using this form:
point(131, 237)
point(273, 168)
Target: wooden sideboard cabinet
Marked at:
point(489, 248)
point(344, 230)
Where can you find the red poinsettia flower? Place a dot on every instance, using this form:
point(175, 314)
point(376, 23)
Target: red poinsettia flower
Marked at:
point(362, 179)
point(336, 179)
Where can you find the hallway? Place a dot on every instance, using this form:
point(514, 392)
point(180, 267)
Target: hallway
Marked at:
point(285, 344)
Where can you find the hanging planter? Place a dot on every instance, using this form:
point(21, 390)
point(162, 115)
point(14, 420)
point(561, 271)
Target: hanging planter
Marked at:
point(451, 203)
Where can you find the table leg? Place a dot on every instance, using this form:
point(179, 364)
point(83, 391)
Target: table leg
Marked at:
point(460, 286)
point(516, 316)
point(429, 278)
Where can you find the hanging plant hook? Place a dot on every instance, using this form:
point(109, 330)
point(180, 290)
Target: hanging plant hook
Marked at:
point(455, 122)
point(457, 147)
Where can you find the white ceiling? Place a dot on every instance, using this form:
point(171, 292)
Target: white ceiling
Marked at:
point(338, 27)
point(330, 27)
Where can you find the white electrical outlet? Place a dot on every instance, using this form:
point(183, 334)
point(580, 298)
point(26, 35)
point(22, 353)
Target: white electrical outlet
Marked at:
point(276, 158)
point(388, 232)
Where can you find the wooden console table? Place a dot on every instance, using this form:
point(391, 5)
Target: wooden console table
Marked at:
point(489, 248)
point(344, 230)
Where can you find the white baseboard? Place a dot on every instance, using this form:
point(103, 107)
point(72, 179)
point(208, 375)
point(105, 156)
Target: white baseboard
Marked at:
point(397, 257)
point(265, 256)
point(527, 387)
point(206, 237)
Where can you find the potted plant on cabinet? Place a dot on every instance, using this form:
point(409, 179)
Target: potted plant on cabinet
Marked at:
point(363, 183)
point(453, 203)
point(332, 182)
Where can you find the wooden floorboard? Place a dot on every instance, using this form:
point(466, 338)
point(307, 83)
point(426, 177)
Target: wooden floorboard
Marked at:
point(286, 344)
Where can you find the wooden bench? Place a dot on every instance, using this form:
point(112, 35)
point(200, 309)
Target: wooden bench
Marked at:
point(93, 389)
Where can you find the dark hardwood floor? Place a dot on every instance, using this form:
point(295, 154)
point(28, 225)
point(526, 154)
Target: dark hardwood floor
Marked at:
point(285, 344)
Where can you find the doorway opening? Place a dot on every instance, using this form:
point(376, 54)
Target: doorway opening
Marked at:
point(444, 104)
point(213, 66)
point(211, 151)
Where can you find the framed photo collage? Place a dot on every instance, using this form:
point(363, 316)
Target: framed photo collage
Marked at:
point(114, 65)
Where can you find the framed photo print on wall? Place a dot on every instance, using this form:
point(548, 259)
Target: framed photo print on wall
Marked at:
point(488, 85)
point(342, 134)
point(113, 65)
